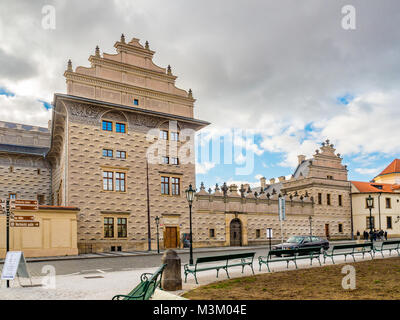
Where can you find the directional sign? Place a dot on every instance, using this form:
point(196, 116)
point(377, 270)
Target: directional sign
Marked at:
point(18, 204)
point(27, 224)
point(282, 208)
point(24, 218)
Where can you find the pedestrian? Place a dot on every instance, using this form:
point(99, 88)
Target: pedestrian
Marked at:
point(358, 235)
point(385, 235)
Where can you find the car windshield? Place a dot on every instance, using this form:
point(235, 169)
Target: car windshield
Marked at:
point(295, 239)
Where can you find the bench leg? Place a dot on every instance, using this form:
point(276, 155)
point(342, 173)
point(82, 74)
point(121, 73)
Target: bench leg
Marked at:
point(260, 266)
point(226, 269)
point(319, 260)
point(252, 268)
point(185, 277)
point(295, 263)
point(242, 268)
point(333, 261)
point(355, 258)
point(268, 267)
point(195, 277)
point(217, 272)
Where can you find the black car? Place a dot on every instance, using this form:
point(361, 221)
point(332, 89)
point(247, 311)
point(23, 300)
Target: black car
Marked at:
point(303, 242)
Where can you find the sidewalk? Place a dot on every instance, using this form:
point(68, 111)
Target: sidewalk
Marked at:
point(153, 252)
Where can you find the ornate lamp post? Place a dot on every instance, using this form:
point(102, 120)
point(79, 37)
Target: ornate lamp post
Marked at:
point(157, 219)
point(190, 196)
point(310, 219)
point(370, 204)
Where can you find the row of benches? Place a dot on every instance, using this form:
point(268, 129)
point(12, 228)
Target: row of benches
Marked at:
point(149, 282)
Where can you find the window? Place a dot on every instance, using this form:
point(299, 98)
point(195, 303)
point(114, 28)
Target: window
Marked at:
point(165, 160)
point(212, 233)
point(12, 196)
point(175, 161)
point(107, 153)
point(11, 169)
point(328, 199)
point(175, 186)
point(40, 199)
point(340, 202)
point(136, 102)
point(175, 136)
point(164, 134)
point(258, 233)
point(121, 154)
point(120, 181)
point(120, 128)
point(389, 223)
point(388, 203)
point(107, 125)
point(319, 198)
point(164, 185)
point(368, 224)
point(340, 228)
point(329, 177)
point(38, 171)
point(108, 227)
point(108, 181)
point(122, 228)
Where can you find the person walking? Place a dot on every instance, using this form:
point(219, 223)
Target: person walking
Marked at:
point(385, 235)
point(358, 235)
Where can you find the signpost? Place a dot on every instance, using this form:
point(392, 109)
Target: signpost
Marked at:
point(269, 236)
point(282, 212)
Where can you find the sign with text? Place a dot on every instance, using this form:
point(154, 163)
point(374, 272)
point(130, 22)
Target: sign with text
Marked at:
point(282, 209)
point(18, 204)
point(24, 218)
point(26, 224)
point(14, 264)
point(269, 233)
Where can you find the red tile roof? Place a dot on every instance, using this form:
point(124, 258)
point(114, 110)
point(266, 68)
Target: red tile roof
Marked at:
point(392, 168)
point(374, 187)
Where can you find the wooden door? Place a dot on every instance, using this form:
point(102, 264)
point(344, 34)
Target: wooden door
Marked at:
point(236, 232)
point(327, 230)
point(171, 237)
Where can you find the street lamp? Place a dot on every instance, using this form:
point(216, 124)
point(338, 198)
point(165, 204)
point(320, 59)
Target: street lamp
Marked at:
point(157, 219)
point(370, 204)
point(190, 196)
point(310, 219)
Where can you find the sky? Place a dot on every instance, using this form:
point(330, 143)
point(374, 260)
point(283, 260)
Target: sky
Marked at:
point(274, 78)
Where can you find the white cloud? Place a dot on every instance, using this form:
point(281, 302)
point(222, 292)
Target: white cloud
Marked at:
point(204, 167)
point(368, 171)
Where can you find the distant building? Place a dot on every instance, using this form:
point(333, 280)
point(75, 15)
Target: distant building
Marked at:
point(391, 174)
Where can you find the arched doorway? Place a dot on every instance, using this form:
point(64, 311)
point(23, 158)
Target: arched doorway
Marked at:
point(236, 232)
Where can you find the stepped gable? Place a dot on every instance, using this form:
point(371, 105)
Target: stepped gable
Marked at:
point(129, 77)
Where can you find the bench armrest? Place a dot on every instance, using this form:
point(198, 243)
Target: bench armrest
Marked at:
point(118, 296)
point(144, 277)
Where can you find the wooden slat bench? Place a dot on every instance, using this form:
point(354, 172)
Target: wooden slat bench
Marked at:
point(391, 245)
point(349, 249)
point(223, 262)
point(290, 255)
point(145, 289)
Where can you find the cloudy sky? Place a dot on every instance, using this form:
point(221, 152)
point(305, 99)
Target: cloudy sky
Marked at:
point(285, 72)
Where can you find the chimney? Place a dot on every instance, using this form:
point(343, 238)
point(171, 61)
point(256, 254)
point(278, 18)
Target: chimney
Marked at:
point(272, 180)
point(262, 182)
point(301, 158)
point(282, 178)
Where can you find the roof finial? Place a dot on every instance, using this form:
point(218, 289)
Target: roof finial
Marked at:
point(69, 68)
point(169, 72)
point(190, 95)
point(146, 45)
point(122, 38)
point(97, 52)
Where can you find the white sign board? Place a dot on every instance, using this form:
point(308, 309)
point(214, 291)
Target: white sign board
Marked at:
point(269, 233)
point(282, 209)
point(14, 264)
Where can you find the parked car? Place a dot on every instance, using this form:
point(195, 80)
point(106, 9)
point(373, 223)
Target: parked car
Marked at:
point(303, 242)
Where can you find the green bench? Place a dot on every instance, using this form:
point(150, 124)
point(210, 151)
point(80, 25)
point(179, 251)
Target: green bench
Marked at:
point(224, 262)
point(349, 249)
point(290, 255)
point(145, 289)
point(391, 245)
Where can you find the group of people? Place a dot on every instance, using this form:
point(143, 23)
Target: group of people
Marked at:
point(374, 235)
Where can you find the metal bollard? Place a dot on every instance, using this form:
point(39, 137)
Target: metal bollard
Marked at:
point(171, 278)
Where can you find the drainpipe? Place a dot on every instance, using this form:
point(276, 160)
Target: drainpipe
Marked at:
point(379, 208)
point(351, 216)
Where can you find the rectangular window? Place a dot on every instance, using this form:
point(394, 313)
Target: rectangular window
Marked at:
point(329, 177)
point(107, 153)
point(120, 181)
point(388, 203)
point(108, 181)
point(108, 227)
point(389, 223)
point(164, 185)
point(165, 160)
point(175, 186)
point(175, 161)
point(136, 102)
point(258, 233)
point(340, 228)
point(175, 136)
point(13, 196)
point(212, 233)
point(120, 128)
point(107, 125)
point(368, 224)
point(319, 198)
point(122, 228)
point(164, 134)
point(328, 199)
point(40, 199)
point(121, 154)
point(340, 200)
